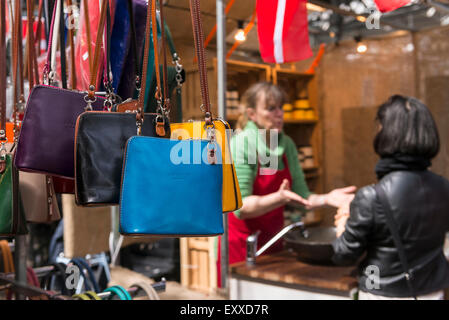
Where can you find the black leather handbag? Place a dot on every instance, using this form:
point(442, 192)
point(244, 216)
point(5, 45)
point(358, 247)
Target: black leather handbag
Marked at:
point(100, 140)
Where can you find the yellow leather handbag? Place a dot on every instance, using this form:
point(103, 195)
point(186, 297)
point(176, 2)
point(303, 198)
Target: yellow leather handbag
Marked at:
point(232, 198)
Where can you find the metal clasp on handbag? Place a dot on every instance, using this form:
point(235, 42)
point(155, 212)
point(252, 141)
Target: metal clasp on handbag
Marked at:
point(89, 100)
point(212, 144)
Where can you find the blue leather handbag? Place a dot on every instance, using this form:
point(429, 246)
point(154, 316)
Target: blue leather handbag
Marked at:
point(168, 189)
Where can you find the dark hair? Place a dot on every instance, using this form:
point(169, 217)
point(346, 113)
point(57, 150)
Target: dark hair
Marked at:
point(407, 128)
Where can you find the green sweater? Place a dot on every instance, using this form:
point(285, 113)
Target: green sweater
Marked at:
point(243, 148)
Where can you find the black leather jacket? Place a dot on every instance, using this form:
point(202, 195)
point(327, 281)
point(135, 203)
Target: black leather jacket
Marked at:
point(419, 201)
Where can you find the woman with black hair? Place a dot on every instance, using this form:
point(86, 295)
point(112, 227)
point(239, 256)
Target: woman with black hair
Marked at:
point(399, 224)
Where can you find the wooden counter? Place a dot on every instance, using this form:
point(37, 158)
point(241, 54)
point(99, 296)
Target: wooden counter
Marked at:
point(284, 269)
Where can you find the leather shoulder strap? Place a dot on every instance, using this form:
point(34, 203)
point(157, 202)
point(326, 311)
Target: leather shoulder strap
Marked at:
point(134, 43)
point(396, 237)
point(2, 70)
point(98, 45)
point(88, 34)
point(140, 103)
point(201, 57)
point(72, 50)
point(62, 44)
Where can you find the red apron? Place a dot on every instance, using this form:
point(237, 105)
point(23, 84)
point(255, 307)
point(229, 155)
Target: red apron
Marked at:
point(269, 224)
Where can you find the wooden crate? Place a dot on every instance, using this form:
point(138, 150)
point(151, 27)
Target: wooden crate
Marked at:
point(198, 264)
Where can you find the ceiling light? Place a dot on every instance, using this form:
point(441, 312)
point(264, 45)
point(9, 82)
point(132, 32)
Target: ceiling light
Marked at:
point(445, 21)
point(431, 12)
point(240, 35)
point(361, 47)
point(314, 7)
point(325, 26)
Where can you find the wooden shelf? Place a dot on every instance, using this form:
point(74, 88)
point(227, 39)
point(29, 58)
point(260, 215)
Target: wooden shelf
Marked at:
point(300, 121)
point(312, 175)
point(235, 117)
point(293, 73)
point(311, 168)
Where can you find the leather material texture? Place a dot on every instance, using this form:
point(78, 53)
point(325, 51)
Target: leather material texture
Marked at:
point(119, 41)
point(420, 208)
point(39, 205)
point(232, 198)
point(99, 150)
point(64, 185)
point(169, 190)
point(6, 212)
point(46, 141)
point(12, 222)
point(126, 88)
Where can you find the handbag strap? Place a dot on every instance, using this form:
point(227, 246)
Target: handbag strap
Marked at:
point(132, 22)
point(92, 295)
point(58, 273)
point(158, 94)
point(54, 40)
point(88, 34)
point(179, 71)
point(90, 98)
point(151, 11)
point(201, 57)
point(48, 75)
point(164, 62)
point(8, 260)
point(62, 44)
point(81, 296)
point(118, 291)
point(90, 272)
point(32, 277)
point(19, 55)
point(72, 49)
point(148, 289)
point(81, 269)
point(198, 36)
point(3, 139)
point(396, 237)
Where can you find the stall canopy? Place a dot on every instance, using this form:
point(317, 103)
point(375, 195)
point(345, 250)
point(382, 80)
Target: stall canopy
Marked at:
point(329, 21)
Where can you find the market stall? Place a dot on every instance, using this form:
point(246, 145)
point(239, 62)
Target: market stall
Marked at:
point(137, 140)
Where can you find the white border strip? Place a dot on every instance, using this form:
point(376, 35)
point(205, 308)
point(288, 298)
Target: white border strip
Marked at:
point(278, 30)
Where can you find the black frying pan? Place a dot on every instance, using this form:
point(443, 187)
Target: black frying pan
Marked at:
point(313, 245)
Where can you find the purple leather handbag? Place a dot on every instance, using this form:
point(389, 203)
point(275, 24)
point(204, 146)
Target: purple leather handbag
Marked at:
point(46, 141)
point(47, 137)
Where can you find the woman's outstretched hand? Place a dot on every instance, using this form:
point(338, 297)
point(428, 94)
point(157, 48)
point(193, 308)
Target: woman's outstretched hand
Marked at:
point(342, 216)
point(289, 197)
point(340, 197)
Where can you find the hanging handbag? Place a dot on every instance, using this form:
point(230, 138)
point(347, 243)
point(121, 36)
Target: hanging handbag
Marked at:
point(36, 190)
point(175, 77)
point(12, 221)
point(100, 142)
point(60, 185)
point(163, 195)
point(46, 141)
point(232, 198)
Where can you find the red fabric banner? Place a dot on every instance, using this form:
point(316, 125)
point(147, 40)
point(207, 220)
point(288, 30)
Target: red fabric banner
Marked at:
point(390, 5)
point(283, 30)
